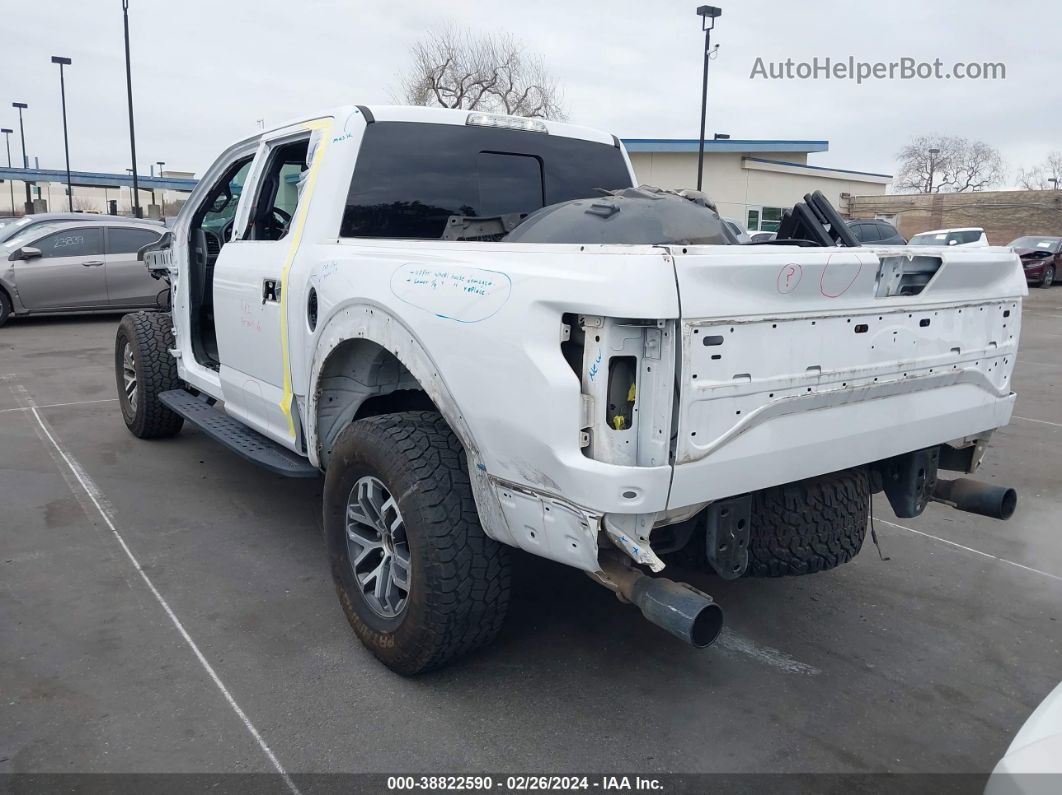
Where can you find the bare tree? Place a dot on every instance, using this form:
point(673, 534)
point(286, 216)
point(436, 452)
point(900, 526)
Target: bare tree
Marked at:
point(1047, 175)
point(955, 165)
point(84, 204)
point(492, 73)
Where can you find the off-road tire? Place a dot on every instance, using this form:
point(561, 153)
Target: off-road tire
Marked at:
point(6, 309)
point(1048, 277)
point(150, 338)
point(460, 578)
point(808, 526)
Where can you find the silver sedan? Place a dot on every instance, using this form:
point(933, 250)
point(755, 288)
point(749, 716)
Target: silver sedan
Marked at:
point(80, 266)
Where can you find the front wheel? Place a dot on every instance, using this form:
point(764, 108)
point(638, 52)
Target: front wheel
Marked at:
point(418, 579)
point(143, 369)
point(1049, 276)
point(5, 308)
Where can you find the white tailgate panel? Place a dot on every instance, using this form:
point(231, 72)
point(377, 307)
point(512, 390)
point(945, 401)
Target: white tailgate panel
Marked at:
point(799, 380)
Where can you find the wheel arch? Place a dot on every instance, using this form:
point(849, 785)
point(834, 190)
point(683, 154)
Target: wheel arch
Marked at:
point(365, 353)
point(12, 298)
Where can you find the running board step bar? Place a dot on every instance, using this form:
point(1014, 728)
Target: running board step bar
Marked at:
point(236, 436)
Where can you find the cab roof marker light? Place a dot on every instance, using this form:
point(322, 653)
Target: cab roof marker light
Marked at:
point(509, 122)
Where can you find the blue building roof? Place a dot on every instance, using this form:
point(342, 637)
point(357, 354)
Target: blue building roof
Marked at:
point(818, 168)
point(730, 145)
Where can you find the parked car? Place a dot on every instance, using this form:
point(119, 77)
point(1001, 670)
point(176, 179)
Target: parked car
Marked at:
point(737, 230)
point(1033, 763)
point(762, 237)
point(972, 237)
point(373, 330)
point(876, 232)
point(1041, 257)
point(16, 225)
point(84, 266)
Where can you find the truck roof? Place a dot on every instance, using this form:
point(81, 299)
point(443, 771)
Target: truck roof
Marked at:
point(414, 113)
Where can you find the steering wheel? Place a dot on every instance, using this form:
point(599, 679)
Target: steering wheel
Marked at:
point(282, 220)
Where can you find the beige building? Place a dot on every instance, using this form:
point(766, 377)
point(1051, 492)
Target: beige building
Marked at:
point(751, 181)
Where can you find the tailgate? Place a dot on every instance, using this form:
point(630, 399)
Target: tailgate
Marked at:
point(797, 362)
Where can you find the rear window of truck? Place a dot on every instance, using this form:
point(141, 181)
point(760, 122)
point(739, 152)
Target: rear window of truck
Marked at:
point(410, 177)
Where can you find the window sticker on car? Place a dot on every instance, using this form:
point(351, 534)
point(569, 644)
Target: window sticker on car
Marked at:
point(1044, 244)
point(69, 240)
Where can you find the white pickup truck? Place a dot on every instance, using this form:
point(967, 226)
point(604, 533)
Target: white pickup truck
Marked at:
point(485, 336)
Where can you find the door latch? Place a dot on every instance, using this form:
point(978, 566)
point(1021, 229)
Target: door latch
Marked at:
point(270, 291)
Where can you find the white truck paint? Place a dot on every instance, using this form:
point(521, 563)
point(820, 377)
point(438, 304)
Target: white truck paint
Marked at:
point(756, 365)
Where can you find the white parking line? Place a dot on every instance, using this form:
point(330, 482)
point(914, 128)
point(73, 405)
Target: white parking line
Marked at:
point(57, 405)
point(1045, 422)
point(103, 507)
point(971, 549)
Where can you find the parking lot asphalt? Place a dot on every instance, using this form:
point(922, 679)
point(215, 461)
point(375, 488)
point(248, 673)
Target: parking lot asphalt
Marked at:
point(926, 662)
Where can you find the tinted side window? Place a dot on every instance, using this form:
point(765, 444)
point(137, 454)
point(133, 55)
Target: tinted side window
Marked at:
point(410, 177)
point(128, 241)
point(83, 242)
point(886, 230)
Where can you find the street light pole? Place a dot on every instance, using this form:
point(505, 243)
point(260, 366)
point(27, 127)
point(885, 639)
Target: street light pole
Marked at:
point(10, 182)
point(66, 141)
point(708, 14)
point(129, 92)
point(162, 191)
point(932, 167)
point(25, 160)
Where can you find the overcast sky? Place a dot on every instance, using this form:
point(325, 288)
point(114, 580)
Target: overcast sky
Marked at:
point(204, 72)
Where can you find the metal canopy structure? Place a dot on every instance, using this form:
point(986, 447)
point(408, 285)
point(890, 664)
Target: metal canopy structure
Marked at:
point(96, 179)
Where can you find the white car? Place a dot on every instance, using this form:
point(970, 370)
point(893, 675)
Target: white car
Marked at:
point(971, 237)
point(1033, 762)
point(485, 336)
point(737, 229)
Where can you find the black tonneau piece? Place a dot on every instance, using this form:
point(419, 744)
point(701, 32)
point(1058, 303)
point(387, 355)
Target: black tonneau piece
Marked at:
point(814, 220)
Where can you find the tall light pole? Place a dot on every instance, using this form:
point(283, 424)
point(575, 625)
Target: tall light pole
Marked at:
point(932, 168)
point(66, 141)
point(162, 191)
point(708, 15)
point(129, 92)
point(25, 160)
point(10, 183)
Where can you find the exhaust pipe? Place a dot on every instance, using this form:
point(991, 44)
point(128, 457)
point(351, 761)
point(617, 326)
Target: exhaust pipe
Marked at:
point(972, 496)
point(678, 607)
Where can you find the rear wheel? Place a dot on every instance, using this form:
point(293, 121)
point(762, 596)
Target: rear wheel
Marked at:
point(418, 579)
point(1049, 276)
point(143, 369)
point(808, 526)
